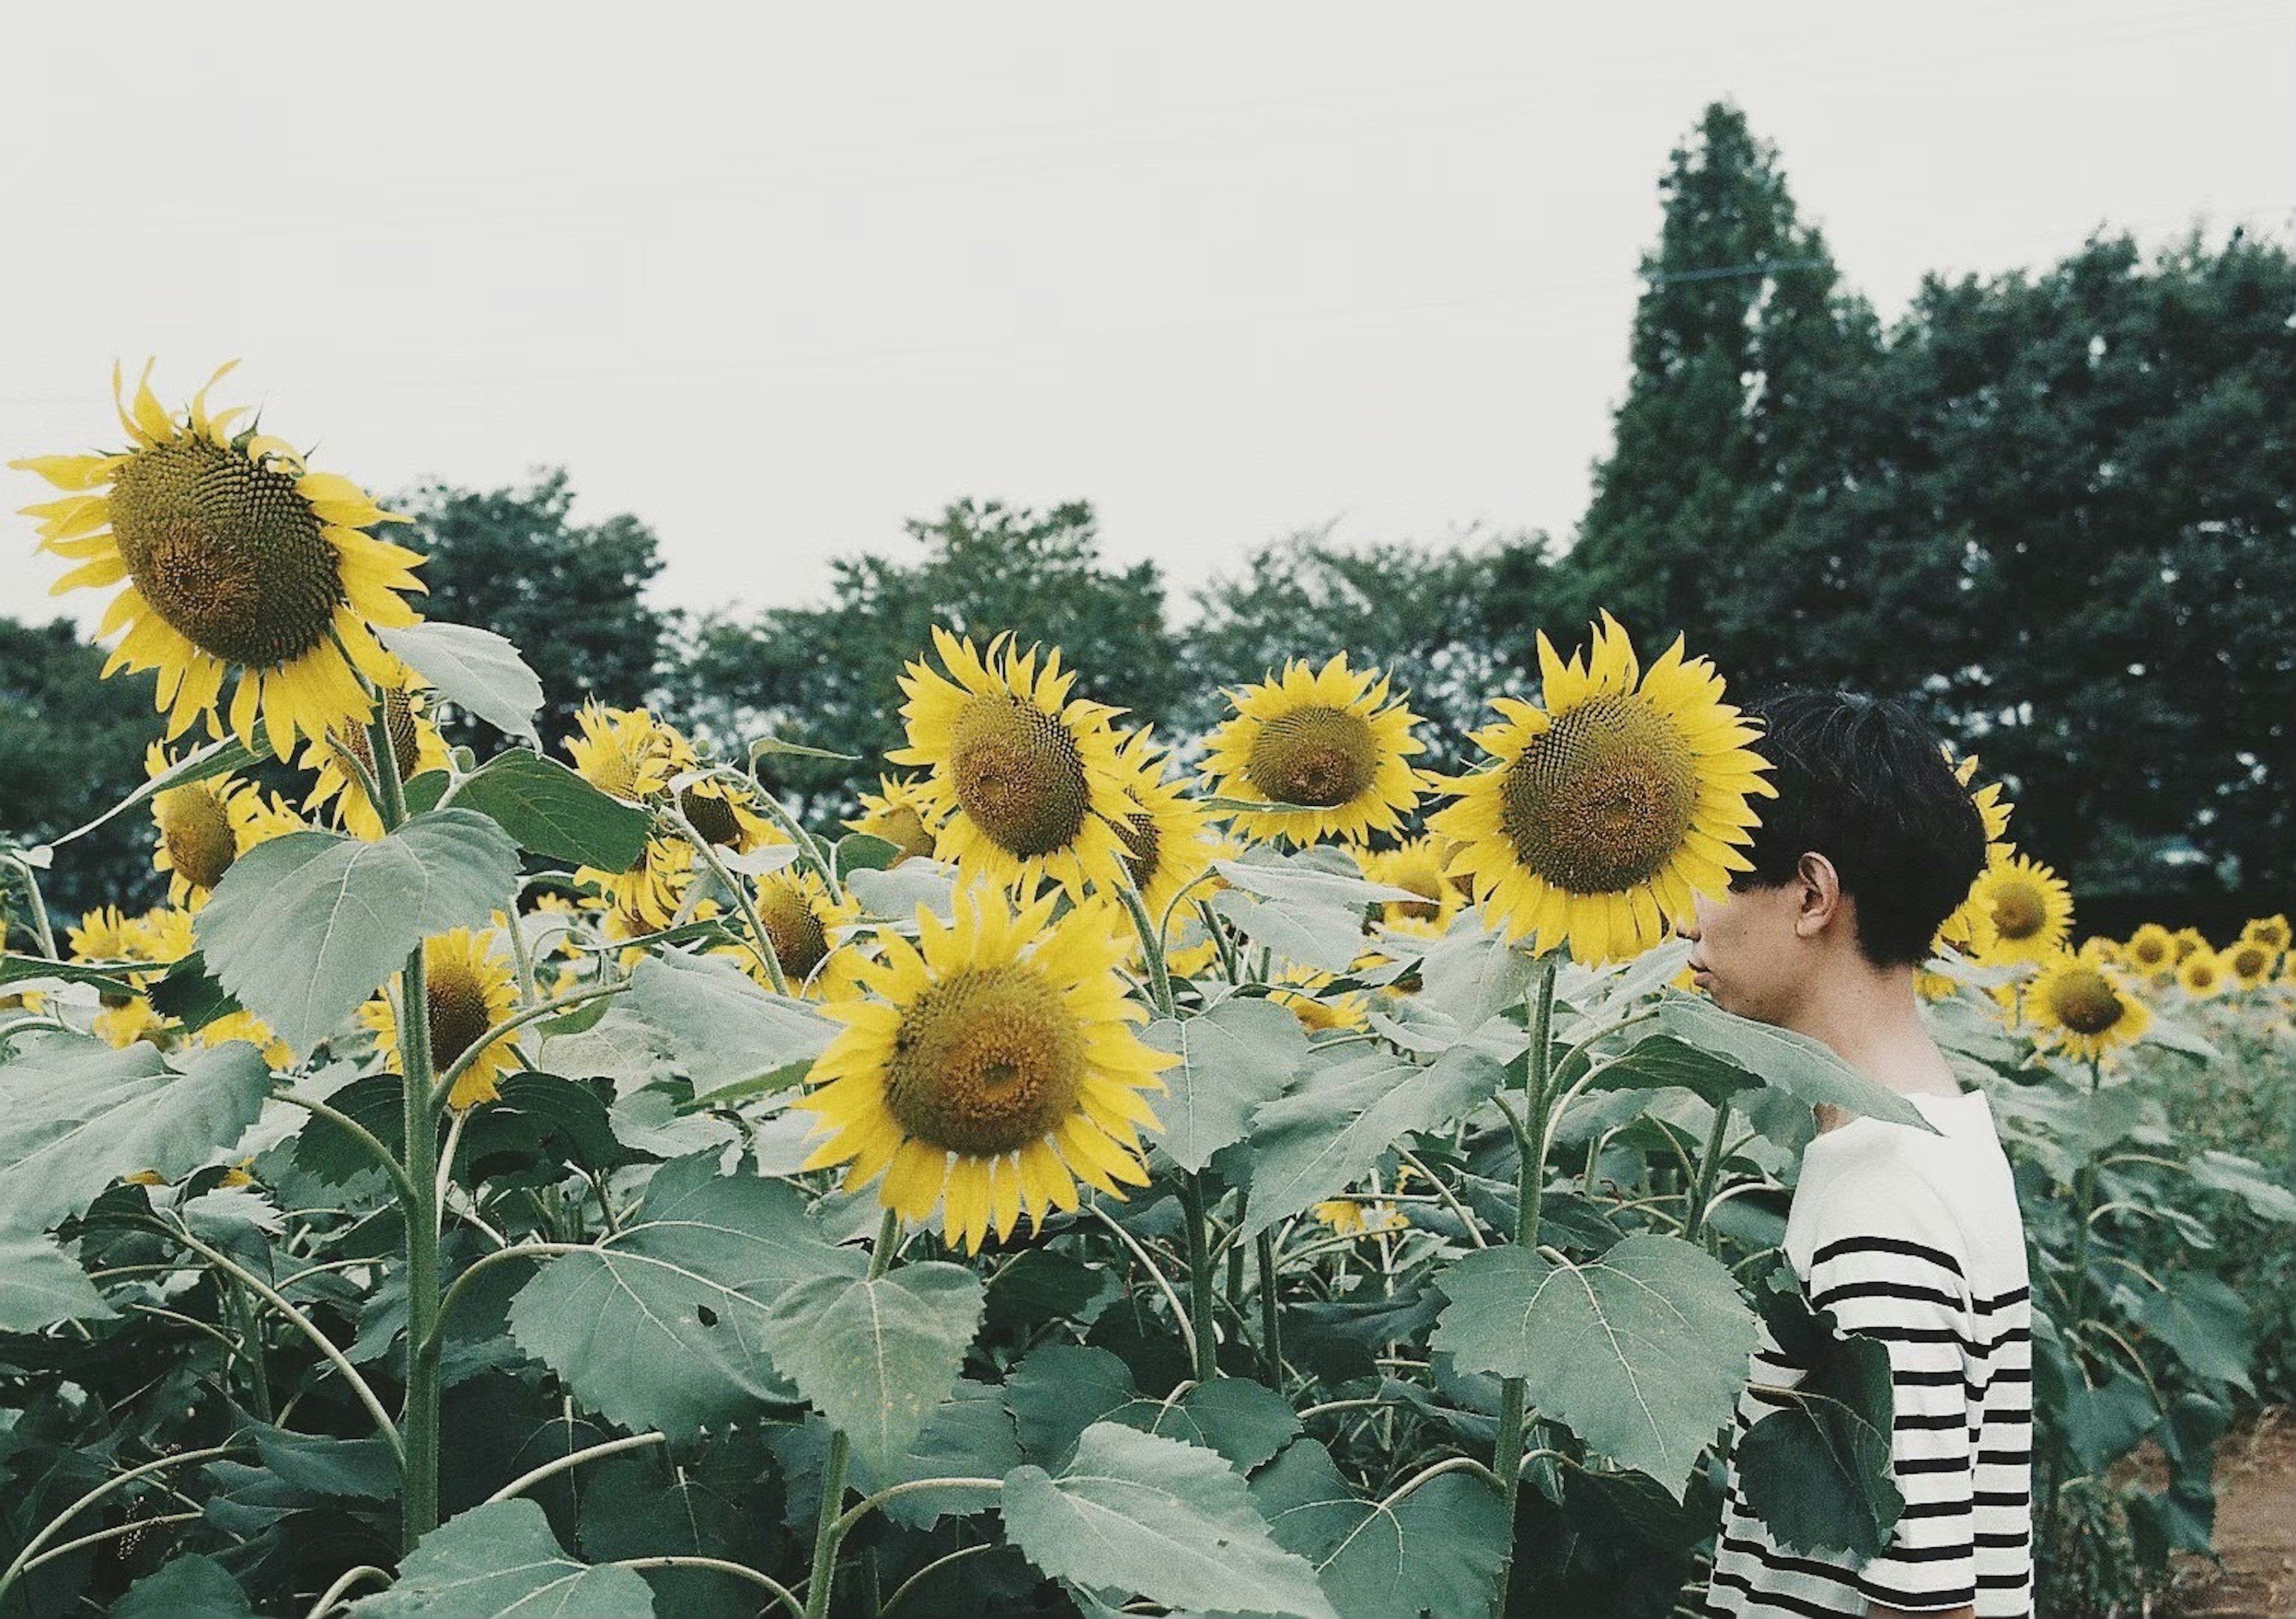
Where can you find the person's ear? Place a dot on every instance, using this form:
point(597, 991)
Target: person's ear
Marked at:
point(1818, 892)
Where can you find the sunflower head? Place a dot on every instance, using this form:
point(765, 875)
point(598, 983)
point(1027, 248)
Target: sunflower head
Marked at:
point(233, 555)
point(2025, 909)
point(2201, 975)
point(2151, 949)
point(1347, 1217)
point(1326, 750)
point(2082, 1007)
point(2188, 941)
point(2271, 931)
point(803, 923)
point(1604, 811)
point(1305, 991)
point(1167, 842)
point(468, 989)
point(626, 753)
point(198, 839)
point(1024, 779)
point(2249, 962)
point(1420, 866)
point(416, 746)
point(990, 1060)
point(902, 814)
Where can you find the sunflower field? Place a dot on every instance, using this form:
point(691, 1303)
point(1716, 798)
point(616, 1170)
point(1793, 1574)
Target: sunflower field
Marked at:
point(1300, 1183)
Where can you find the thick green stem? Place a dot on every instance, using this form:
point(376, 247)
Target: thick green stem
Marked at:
point(1200, 1279)
point(1709, 1164)
point(829, 1529)
point(761, 941)
point(41, 930)
point(1530, 1178)
point(1271, 1323)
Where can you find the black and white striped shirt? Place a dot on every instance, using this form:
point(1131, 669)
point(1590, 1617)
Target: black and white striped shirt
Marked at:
point(1914, 1239)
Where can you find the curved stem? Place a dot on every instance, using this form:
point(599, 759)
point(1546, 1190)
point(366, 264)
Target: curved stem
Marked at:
point(1271, 1323)
point(828, 1531)
point(96, 1536)
point(1427, 1474)
point(117, 1480)
point(368, 1141)
point(1179, 1315)
point(760, 941)
point(1474, 1227)
point(551, 1469)
point(41, 929)
point(809, 847)
point(1710, 1164)
point(740, 1571)
point(862, 1508)
point(429, 1349)
point(509, 1026)
point(909, 1584)
point(349, 1580)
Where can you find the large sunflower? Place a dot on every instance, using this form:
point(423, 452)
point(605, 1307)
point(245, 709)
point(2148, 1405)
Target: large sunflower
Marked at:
point(2081, 1007)
point(416, 746)
point(2024, 910)
point(992, 1059)
point(469, 989)
point(1166, 840)
point(902, 815)
point(1324, 749)
point(1025, 780)
point(1611, 805)
point(236, 556)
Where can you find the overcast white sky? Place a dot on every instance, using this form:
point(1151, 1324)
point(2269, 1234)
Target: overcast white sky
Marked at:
point(776, 277)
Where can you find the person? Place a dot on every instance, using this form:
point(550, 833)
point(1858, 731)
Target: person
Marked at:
point(1906, 1236)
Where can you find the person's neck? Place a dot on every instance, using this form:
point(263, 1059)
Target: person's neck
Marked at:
point(1872, 1020)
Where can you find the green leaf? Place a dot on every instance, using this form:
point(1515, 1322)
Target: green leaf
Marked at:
point(2103, 1424)
point(45, 1285)
point(660, 1324)
point(305, 928)
point(1662, 1061)
point(2245, 1178)
point(1437, 1551)
point(876, 1355)
point(969, 1435)
point(721, 1028)
point(340, 1469)
point(75, 1118)
point(1060, 1390)
point(2207, 1324)
point(550, 811)
point(189, 994)
point(476, 670)
point(39, 969)
point(1232, 1059)
point(185, 1588)
point(1322, 934)
point(1470, 974)
point(1328, 1130)
point(500, 1561)
point(1317, 877)
point(1246, 1422)
point(894, 895)
point(1170, 1522)
point(861, 851)
point(1793, 1063)
point(1642, 1352)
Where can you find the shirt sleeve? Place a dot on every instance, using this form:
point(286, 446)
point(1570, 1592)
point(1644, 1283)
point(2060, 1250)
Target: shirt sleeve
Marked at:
point(1887, 1259)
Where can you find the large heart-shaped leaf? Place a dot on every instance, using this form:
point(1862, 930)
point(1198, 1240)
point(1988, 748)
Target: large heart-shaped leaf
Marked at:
point(1436, 1551)
point(721, 1028)
point(877, 1354)
point(303, 929)
point(45, 1285)
point(1792, 1062)
point(548, 809)
point(476, 670)
point(75, 1115)
point(1233, 1058)
point(1154, 1517)
point(1642, 1352)
point(501, 1561)
point(1328, 1130)
point(2207, 1324)
point(661, 1324)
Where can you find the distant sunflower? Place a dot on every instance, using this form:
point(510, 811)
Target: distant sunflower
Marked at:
point(1418, 865)
point(802, 922)
point(1302, 990)
point(2026, 911)
point(416, 746)
point(469, 989)
point(725, 814)
point(2097, 947)
point(1025, 779)
point(990, 1060)
point(206, 825)
point(2189, 940)
point(2249, 962)
point(1609, 808)
point(235, 556)
point(1167, 840)
point(629, 753)
point(2201, 975)
point(246, 1026)
point(1928, 984)
point(1347, 1217)
point(1325, 749)
point(2267, 930)
point(2081, 1007)
point(902, 814)
point(1967, 928)
point(2151, 949)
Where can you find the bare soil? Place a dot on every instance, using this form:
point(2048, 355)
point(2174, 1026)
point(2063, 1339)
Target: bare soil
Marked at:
point(2255, 1527)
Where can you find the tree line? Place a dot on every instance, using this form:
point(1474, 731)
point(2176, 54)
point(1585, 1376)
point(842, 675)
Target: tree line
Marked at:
point(2055, 510)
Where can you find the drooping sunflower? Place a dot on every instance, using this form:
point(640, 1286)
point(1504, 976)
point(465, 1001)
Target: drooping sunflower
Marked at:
point(1418, 866)
point(1611, 805)
point(2249, 962)
point(1167, 839)
point(468, 989)
point(2026, 911)
point(803, 922)
point(2152, 949)
point(2082, 1008)
point(235, 556)
point(416, 746)
point(1024, 778)
point(206, 825)
point(903, 815)
point(629, 753)
point(1324, 749)
point(1967, 928)
point(2269, 930)
point(2201, 975)
point(991, 1059)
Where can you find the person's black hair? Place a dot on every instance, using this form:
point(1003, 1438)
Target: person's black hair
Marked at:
point(1864, 781)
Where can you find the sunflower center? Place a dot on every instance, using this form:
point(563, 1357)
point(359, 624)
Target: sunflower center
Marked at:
point(2149, 952)
point(712, 816)
point(2250, 960)
point(1316, 757)
point(1020, 775)
point(1418, 882)
point(1602, 799)
point(406, 740)
point(1144, 849)
point(2018, 912)
point(226, 551)
point(799, 939)
point(196, 829)
point(457, 1001)
point(986, 1062)
point(2086, 1003)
